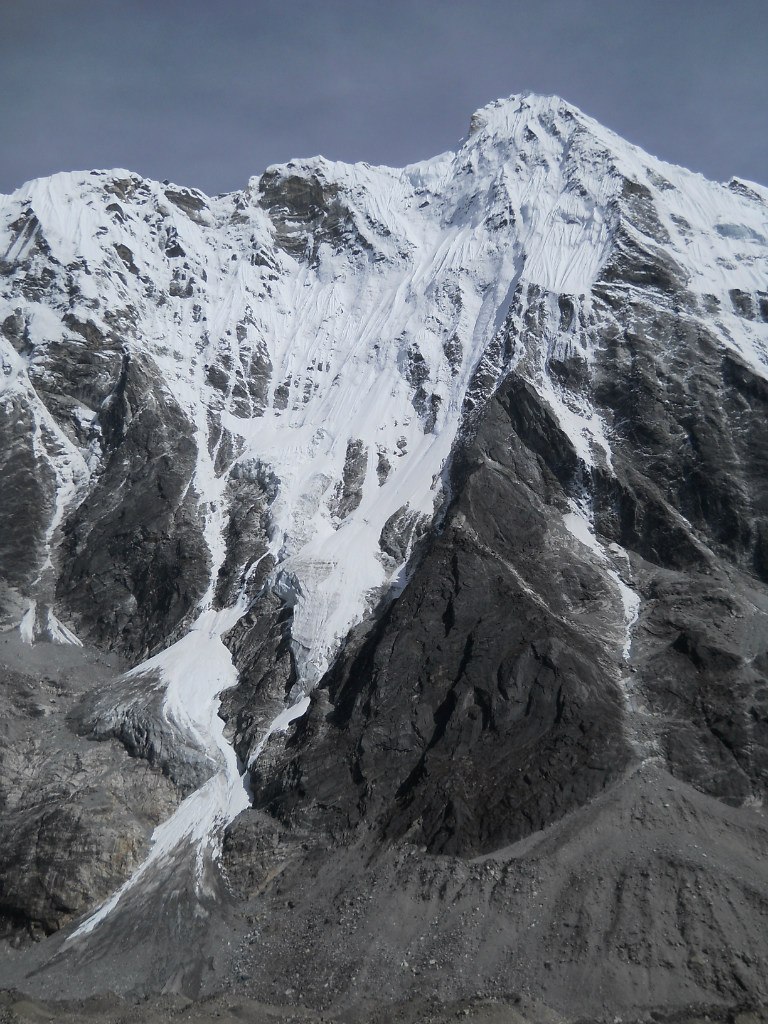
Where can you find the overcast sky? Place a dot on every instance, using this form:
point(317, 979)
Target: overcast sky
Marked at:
point(210, 92)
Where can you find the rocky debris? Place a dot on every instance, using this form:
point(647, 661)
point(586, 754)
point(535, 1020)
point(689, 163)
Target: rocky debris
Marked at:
point(18, 1009)
point(131, 711)
point(644, 901)
point(641, 904)
point(230, 1010)
point(76, 816)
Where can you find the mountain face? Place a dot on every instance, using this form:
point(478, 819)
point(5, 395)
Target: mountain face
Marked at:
point(394, 544)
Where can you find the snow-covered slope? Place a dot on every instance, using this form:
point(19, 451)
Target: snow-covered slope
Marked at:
point(321, 337)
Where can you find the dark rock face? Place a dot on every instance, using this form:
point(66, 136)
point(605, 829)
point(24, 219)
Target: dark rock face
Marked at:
point(689, 496)
point(135, 559)
point(693, 418)
point(261, 649)
point(252, 488)
point(709, 696)
point(349, 492)
point(131, 561)
point(307, 211)
point(22, 536)
point(474, 712)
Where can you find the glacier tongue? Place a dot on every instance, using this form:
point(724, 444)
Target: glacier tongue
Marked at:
point(194, 670)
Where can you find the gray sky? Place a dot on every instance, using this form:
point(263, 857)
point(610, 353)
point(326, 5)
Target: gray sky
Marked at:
point(210, 92)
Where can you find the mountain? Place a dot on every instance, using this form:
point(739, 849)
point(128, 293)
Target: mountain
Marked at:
point(384, 581)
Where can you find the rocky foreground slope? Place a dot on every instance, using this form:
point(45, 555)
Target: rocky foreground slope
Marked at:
point(394, 543)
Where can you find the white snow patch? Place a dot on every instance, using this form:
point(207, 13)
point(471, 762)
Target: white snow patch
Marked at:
point(579, 525)
point(59, 633)
point(280, 724)
point(630, 601)
point(27, 624)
